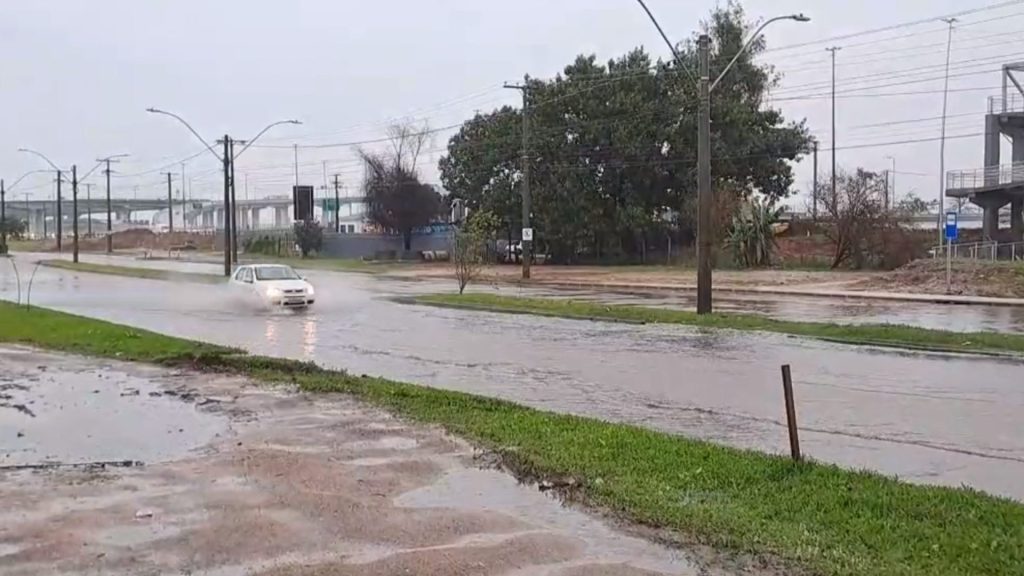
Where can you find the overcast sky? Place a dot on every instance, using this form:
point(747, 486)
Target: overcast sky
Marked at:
point(77, 77)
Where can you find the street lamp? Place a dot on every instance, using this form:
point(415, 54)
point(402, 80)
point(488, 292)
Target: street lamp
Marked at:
point(60, 214)
point(227, 160)
point(704, 197)
point(3, 202)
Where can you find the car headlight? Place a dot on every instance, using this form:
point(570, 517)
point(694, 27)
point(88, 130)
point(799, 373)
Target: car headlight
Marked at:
point(274, 293)
point(309, 290)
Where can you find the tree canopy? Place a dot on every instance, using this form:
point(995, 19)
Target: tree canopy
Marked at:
point(612, 147)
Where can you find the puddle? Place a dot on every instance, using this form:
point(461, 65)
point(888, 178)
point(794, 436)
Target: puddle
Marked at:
point(490, 490)
point(75, 412)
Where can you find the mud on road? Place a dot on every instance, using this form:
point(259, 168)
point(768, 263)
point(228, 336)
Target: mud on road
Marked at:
point(284, 483)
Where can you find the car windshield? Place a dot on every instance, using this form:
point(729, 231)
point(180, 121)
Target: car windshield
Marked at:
point(275, 273)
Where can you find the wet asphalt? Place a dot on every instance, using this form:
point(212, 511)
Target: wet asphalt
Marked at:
point(929, 418)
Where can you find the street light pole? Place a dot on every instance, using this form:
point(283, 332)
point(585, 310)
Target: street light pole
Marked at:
point(227, 160)
point(705, 197)
point(833, 50)
point(74, 212)
point(704, 192)
point(942, 144)
point(60, 217)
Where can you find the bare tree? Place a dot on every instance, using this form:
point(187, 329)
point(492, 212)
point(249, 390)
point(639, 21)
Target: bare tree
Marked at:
point(407, 142)
point(395, 197)
point(855, 217)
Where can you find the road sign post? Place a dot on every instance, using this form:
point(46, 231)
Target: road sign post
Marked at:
point(951, 234)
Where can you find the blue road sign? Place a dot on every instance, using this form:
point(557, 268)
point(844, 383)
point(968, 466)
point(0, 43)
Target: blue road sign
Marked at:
point(951, 226)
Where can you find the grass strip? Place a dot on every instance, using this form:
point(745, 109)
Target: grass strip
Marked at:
point(134, 272)
point(812, 517)
point(887, 335)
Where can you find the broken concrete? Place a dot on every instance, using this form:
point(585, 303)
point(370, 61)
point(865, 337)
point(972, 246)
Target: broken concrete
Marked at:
point(291, 484)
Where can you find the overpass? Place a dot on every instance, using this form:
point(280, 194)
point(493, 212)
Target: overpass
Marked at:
point(996, 185)
point(195, 214)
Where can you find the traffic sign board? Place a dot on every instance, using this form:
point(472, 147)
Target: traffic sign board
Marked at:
point(951, 225)
point(527, 234)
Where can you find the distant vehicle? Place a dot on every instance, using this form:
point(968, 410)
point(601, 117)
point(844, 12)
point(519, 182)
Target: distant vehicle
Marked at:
point(274, 285)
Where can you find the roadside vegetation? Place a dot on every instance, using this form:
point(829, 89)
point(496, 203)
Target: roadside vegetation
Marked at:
point(808, 517)
point(134, 272)
point(889, 335)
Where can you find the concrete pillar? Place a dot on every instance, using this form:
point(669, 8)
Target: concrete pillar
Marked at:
point(280, 217)
point(220, 218)
point(990, 222)
point(992, 134)
point(255, 218)
point(1017, 219)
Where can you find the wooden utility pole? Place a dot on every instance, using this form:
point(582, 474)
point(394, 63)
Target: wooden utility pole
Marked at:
point(74, 212)
point(170, 203)
point(814, 189)
point(527, 232)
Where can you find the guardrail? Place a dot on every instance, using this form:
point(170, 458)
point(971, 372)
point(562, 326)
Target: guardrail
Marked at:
point(983, 177)
point(1013, 103)
point(1012, 251)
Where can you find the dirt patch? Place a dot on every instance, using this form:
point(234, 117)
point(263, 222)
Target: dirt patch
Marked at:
point(297, 485)
point(969, 278)
point(134, 239)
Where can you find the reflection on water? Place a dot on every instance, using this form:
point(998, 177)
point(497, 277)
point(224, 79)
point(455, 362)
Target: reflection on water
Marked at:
point(271, 332)
point(309, 338)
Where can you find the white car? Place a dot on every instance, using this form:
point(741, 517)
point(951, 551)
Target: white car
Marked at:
point(274, 285)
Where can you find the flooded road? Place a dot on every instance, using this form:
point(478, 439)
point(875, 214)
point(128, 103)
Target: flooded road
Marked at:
point(924, 417)
point(957, 318)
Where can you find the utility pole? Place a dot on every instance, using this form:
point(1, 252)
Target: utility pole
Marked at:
point(296, 147)
point(88, 210)
point(892, 197)
point(527, 233)
point(3, 215)
point(886, 172)
point(110, 223)
point(704, 196)
point(814, 189)
point(833, 50)
point(226, 160)
point(234, 205)
point(184, 205)
point(942, 145)
point(170, 204)
point(60, 215)
point(74, 213)
point(337, 207)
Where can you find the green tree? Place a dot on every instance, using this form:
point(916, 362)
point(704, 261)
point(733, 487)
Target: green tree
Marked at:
point(469, 246)
point(309, 235)
point(613, 145)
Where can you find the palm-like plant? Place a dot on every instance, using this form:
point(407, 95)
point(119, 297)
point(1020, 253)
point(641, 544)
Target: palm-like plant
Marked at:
point(752, 234)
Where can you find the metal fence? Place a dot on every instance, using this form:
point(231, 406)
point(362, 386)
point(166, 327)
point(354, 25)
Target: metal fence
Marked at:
point(1012, 251)
point(982, 177)
point(1013, 103)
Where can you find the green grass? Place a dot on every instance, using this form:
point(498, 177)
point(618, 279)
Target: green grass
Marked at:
point(810, 517)
point(889, 335)
point(133, 272)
